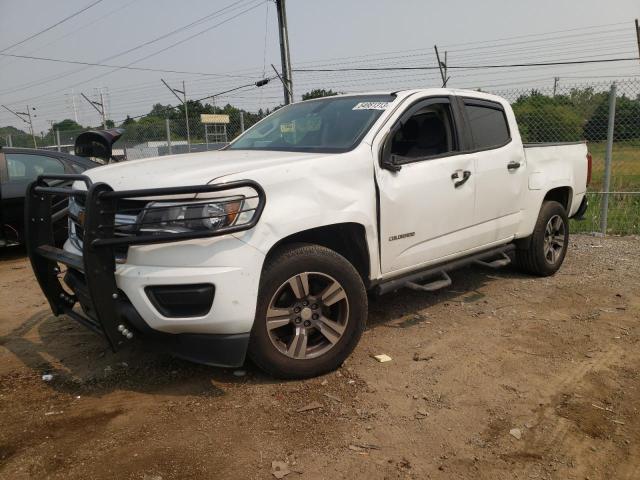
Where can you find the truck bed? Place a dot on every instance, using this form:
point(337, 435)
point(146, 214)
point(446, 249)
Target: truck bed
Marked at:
point(561, 163)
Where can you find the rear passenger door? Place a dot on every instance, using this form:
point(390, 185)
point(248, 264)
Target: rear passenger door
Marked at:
point(500, 169)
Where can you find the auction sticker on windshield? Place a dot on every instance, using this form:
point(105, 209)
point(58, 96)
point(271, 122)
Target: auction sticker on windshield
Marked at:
point(371, 106)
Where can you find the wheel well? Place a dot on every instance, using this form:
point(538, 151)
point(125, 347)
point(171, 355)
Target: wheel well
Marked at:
point(347, 239)
point(562, 195)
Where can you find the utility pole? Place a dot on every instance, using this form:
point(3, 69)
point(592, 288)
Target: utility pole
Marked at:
point(555, 85)
point(21, 116)
point(284, 52)
point(445, 67)
point(99, 106)
point(72, 104)
point(75, 109)
point(638, 37)
point(442, 66)
point(104, 110)
point(33, 135)
point(182, 100)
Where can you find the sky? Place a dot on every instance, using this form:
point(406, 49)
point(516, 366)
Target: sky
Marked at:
point(230, 43)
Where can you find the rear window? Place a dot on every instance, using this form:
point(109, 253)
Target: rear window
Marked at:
point(488, 124)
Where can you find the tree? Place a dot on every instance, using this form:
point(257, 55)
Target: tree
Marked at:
point(128, 122)
point(319, 93)
point(547, 119)
point(66, 125)
point(19, 138)
point(626, 125)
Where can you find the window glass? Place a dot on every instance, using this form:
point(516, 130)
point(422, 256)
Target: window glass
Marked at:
point(488, 125)
point(330, 124)
point(24, 167)
point(427, 133)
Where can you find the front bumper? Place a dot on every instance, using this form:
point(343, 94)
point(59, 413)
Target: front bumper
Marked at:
point(113, 300)
point(224, 350)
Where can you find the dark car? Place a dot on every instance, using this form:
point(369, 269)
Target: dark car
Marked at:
point(18, 168)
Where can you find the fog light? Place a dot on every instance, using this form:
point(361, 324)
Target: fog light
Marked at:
point(177, 301)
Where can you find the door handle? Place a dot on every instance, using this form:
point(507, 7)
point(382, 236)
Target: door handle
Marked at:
point(458, 182)
point(513, 165)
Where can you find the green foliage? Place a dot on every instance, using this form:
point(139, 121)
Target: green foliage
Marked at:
point(626, 125)
point(19, 138)
point(581, 115)
point(66, 125)
point(547, 119)
point(152, 126)
point(319, 93)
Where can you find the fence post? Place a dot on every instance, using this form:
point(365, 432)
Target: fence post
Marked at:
point(168, 134)
point(604, 207)
point(9, 141)
point(58, 140)
point(241, 121)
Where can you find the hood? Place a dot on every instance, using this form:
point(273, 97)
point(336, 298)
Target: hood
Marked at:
point(189, 169)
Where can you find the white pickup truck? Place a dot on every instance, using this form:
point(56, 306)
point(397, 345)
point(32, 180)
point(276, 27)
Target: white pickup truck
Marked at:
point(269, 246)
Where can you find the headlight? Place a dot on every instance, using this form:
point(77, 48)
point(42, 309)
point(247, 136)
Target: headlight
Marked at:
point(173, 217)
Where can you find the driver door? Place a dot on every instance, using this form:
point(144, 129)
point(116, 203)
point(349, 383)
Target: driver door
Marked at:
point(427, 205)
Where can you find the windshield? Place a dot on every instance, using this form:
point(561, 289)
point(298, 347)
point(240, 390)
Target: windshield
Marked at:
point(330, 124)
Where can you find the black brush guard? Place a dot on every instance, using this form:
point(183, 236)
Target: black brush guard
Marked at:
point(112, 316)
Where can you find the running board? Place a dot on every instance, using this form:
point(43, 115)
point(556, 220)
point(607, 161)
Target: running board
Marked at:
point(445, 281)
point(414, 279)
point(498, 263)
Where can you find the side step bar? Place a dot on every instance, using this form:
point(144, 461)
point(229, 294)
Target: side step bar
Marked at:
point(414, 280)
point(431, 286)
point(500, 262)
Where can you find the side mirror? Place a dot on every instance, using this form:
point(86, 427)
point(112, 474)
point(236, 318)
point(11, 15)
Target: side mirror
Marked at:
point(388, 160)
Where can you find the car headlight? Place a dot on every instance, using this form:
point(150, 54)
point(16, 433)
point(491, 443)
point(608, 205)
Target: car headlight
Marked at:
point(198, 215)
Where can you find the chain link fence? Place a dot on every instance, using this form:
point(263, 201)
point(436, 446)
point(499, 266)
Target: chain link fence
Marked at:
point(564, 113)
point(577, 112)
point(151, 136)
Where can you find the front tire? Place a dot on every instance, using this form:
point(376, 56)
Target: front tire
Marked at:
point(543, 252)
point(311, 311)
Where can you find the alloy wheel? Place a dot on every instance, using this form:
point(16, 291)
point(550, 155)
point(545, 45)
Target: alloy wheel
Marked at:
point(554, 238)
point(307, 315)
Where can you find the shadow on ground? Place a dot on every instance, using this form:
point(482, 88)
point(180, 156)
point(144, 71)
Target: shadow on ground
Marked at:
point(80, 361)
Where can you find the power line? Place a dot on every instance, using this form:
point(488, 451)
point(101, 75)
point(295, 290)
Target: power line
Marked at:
point(259, 83)
point(511, 65)
point(119, 67)
point(184, 27)
point(77, 29)
point(66, 74)
point(51, 26)
point(544, 34)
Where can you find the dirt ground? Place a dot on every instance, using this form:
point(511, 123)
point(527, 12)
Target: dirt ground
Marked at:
point(497, 356)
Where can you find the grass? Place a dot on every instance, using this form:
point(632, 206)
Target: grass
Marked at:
point(625, 167)
point(624, 208)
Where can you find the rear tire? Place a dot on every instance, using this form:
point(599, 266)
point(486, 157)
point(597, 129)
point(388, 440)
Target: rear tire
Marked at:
point(543, 252)
point(311, 311)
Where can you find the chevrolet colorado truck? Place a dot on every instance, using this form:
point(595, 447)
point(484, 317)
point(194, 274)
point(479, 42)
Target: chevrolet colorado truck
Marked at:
point(269, 247)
